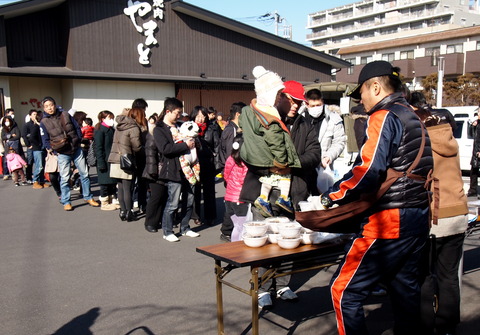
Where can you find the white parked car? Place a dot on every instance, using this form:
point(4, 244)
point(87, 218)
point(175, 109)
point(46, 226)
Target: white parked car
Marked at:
point(464, 137)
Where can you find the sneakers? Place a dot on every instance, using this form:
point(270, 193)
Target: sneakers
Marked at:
point(191, 233)
point(285, 203)
point(24, 183)
point(264, 207)
point(67, 207)
point(171, 238)
point(265, 300)
point(225, 238)
point(6, 177)
point(17, 184)
point(286, 294)
point(29, 182)
point(76, 188)
point(37, 186)
point(92, 203)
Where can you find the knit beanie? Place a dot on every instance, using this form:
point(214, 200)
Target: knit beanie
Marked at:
point(267, 85)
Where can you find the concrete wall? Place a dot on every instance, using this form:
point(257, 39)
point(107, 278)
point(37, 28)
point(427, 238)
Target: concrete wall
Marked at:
point(90, 96)
point(93, 96)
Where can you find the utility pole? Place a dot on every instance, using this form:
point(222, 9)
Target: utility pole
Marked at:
point(441, 68)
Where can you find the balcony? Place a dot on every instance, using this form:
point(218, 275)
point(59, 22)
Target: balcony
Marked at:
point(453, 65)
point(472, 65)
point(407, 67)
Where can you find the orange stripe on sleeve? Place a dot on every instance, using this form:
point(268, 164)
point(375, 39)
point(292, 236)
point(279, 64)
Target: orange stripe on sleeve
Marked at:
point(367, 154)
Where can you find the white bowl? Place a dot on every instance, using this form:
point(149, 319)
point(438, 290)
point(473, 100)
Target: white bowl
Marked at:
point(272, 238)
point(306, 230)
point(308, 238)
point(274, 221)
point(289, 230)
point(255, 228)
point(256, 241)
point(289, 243)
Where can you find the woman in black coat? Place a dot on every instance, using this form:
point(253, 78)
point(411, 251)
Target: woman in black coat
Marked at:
point(103, 139)
point(209, 141)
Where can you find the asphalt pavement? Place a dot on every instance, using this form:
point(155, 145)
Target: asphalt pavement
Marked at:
point(86, 272)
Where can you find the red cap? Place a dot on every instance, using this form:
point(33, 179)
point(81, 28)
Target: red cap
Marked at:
point(295, 90)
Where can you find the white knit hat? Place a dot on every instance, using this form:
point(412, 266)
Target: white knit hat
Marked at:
point(267, 85)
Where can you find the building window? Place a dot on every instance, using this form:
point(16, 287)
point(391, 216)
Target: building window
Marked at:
point(366, 59)
point(454, 48)
point(388, 57)
point(408, 54)
point(433, 53)
point(478, 45)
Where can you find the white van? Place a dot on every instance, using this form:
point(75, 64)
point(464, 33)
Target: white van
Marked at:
point(464, 136)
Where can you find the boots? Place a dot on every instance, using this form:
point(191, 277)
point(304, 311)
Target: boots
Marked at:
point(114, 201)
point(37, 186)
point(106, 206)
point(131, 216)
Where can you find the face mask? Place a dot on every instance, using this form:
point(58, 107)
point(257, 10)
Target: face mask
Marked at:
point(7, 124)
point(315, 111)
point(109, 122)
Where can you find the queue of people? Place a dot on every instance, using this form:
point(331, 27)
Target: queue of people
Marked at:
point(271, 153)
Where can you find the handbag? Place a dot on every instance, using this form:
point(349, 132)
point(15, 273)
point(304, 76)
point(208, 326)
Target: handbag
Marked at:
point(51, 163)
point(347, 218)
point(91, 158)
point(127, 163)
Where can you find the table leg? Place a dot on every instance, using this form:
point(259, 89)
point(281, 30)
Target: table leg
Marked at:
point(218, 271)
point(254, 294)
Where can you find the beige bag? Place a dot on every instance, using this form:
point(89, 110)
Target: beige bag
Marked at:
point(51, 163)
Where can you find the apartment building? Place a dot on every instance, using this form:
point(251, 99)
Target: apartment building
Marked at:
point(412, 34)
point(382, 20)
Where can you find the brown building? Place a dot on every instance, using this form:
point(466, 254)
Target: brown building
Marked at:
point(418, 56)
point(95, 55)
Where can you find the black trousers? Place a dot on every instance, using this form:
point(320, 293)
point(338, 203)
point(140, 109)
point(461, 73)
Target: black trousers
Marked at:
point(232, 208)
point(206, 187)
point(473, 180)
point(156, 205)
point(449, 251)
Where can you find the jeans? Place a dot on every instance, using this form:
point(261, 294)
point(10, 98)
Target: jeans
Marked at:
point(38, 162)
point(174, 190)
point(64, 163)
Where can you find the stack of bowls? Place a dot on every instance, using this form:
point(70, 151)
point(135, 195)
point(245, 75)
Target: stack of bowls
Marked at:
point(255, 233)
point(273, 222)
point(290, 235)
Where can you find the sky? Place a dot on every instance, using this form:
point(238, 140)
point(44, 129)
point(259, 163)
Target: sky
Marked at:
point(294, 12)
point(248, 11)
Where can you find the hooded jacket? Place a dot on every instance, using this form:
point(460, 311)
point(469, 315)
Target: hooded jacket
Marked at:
point(331, 133)
point(15, 162)
point(11, 136)
point(453, 202)
point(126, 140)
point(267, 140)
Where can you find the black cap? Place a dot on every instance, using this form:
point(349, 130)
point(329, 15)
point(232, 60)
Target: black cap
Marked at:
point(373, 69)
